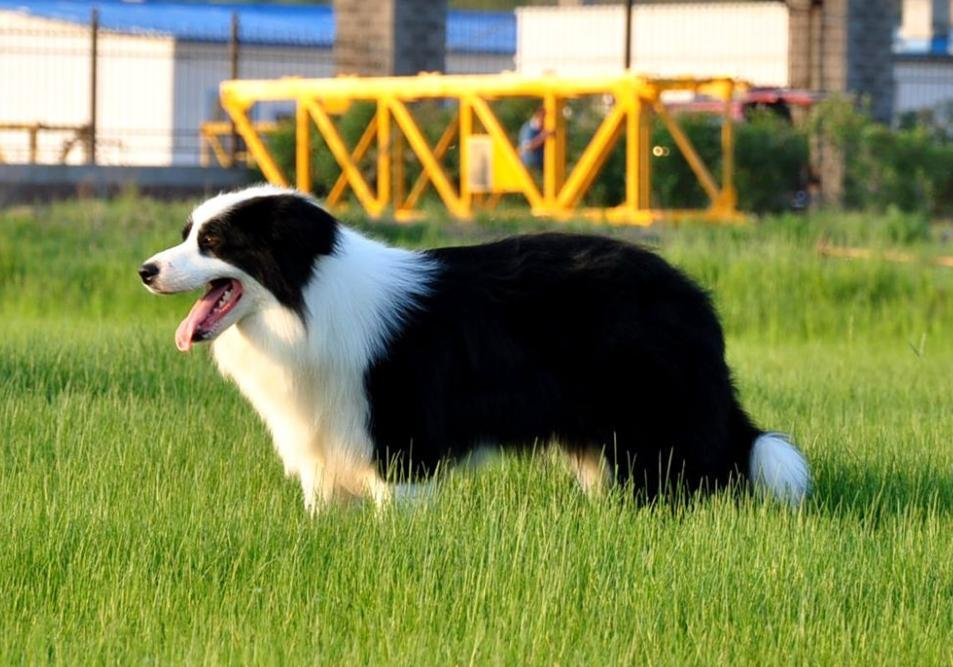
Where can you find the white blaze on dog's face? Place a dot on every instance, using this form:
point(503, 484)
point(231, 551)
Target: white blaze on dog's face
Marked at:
point(245, 249)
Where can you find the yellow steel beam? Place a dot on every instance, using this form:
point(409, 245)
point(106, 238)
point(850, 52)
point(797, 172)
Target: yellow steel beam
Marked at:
point(645, 139)
point(634, 154)
point(592, 158)
point(439, 151)
point(495, 130)
point(302, 149)
point(728, 198)
point(341, 184)
point(256, 146)
point(466, 131)
point(688, 150)
point(383, 153)
point(418, 143)
point(338, 148)
point(400, 177)
point(554, 151)
point(423, 86)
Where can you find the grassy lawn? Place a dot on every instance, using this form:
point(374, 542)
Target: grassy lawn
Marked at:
point(147, 520)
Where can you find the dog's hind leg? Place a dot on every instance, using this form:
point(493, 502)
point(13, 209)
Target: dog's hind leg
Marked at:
point(379, 491)
point(591, 469)
point(384, 494)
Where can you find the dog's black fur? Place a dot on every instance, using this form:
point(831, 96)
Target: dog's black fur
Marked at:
point(588, 341)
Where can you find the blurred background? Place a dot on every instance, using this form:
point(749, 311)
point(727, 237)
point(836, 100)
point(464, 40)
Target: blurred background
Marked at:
point(130, 90)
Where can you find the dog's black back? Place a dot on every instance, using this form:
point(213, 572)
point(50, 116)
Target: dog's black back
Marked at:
point(584, 340)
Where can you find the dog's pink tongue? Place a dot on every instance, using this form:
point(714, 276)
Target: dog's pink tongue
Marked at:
point(201, 309)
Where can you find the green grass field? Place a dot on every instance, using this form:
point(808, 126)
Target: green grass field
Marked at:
point(146, 519)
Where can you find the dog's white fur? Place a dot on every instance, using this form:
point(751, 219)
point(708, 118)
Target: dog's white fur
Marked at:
point(307, 383)
point(778, 468)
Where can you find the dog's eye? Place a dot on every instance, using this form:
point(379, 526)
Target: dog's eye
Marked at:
point(206, 241)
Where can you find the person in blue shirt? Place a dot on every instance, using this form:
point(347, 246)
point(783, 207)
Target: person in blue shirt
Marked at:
point(532, 139)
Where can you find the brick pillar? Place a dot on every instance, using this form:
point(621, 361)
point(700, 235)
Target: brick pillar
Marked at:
point(842, 46)
point(801, 43)
point(390, 37)
point(870, 29)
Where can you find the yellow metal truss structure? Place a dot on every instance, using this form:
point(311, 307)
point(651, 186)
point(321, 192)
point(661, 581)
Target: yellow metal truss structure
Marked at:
point(558, 192)
point(211, 136)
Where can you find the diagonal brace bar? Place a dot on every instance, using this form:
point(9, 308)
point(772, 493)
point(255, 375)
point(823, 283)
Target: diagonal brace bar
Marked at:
point(592, 159)
point(427, 159)
point(255, 145)
point(338, 148)
point(439, 152)
point(495, 130)
point(360, 150)
point(688, 150)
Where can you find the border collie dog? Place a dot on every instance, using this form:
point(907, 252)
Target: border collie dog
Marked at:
point(360, 356)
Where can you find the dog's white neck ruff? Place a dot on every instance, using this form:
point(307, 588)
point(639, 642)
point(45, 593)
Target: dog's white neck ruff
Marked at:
point(306, 378)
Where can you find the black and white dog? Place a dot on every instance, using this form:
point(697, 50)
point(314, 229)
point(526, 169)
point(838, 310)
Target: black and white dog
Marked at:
point(358, 355)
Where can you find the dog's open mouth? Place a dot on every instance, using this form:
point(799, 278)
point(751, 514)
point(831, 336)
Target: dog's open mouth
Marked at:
point(220, 297)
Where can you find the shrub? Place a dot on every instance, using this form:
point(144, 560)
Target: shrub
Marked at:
point(909, 167)
point(771, 162)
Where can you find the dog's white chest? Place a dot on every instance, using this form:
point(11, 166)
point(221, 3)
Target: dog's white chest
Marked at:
point(315, 414)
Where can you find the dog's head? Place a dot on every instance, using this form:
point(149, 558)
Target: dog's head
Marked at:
point(247, 250)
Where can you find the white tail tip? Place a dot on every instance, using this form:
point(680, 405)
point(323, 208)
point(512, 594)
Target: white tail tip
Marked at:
point(778, 468)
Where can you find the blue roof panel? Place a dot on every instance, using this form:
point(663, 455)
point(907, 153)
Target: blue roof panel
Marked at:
point(299, 25)
point(481, 32)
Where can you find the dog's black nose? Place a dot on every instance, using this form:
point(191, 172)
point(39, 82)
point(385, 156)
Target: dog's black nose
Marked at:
point(148, 272)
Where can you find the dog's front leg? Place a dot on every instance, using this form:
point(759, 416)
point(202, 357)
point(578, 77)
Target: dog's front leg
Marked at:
point(315, 487)
point(591, 469)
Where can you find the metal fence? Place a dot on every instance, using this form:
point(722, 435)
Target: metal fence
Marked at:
point(81, 91)
point(78, 93)
point(73, 90)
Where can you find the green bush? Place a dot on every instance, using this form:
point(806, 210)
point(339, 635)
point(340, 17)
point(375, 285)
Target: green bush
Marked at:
point(771, 162)
point(909, 167)
point(771, 157)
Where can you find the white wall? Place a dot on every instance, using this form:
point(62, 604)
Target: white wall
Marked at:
point(748, 40)
point(45, 78)
point(135, 100)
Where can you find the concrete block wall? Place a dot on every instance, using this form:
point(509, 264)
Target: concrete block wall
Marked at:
point(870, 31)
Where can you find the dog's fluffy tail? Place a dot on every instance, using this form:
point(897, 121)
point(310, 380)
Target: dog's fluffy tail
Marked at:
point(777, 467)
